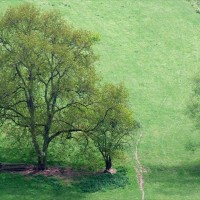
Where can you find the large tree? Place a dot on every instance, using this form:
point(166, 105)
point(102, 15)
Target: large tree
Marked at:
point(47, 75)
point(49, 86)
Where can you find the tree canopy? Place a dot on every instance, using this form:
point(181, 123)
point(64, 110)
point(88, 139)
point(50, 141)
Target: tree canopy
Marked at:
point(116, 125)
point(48, 81)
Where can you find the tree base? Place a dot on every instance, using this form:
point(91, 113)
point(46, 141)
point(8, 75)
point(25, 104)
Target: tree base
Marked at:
point(40, 168)
point(110, 171)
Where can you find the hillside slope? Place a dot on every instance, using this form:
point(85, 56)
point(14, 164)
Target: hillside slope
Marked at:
point(153, 47)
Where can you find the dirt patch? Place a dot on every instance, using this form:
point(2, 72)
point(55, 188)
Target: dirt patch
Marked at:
point(67, 173)
point(111, 171)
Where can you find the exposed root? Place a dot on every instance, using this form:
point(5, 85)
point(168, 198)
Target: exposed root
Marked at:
point(111, 171)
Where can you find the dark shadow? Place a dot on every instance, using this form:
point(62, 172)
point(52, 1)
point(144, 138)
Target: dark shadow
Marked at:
point(104, 181)
point(167, 179)
point(15, 186)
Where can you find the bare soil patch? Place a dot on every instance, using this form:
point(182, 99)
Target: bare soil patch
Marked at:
point(61, 172)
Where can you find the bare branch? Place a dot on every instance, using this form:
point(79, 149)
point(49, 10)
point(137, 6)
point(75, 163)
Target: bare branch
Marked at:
point(64, 131)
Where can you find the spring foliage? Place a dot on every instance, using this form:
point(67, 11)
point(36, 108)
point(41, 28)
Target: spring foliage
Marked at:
point(49, 85)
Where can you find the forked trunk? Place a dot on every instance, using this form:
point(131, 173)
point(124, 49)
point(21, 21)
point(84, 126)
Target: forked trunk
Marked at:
point(42, 162)
point(41, 154)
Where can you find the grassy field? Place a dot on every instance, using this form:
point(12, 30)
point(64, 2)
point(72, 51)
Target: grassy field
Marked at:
point(153, 48)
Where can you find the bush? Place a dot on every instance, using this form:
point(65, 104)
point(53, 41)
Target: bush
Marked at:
point(105, 181)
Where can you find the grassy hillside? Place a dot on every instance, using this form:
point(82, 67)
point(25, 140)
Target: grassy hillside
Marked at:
point(153, 47)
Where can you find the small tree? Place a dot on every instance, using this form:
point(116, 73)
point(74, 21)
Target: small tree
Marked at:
point(47, 75)
point(114, 123)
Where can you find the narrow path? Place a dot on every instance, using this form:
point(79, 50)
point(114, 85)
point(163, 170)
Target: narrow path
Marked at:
point(139, 168)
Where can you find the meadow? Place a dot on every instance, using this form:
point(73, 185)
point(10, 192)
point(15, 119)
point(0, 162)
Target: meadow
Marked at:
point(153, 48)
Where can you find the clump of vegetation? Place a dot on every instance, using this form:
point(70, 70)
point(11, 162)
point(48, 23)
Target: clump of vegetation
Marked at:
point(105, 181)
point(193, 109)
point(196, 5)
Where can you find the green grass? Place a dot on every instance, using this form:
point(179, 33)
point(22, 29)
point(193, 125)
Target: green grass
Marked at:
point(153, 47)
point(15, 186)
point(25, 188)
point(39, 187)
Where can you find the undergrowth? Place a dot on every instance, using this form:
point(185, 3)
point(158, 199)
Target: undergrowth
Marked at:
point(105, 181)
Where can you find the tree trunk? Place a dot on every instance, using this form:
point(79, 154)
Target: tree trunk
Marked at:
point(42, 162)
point(108, 163)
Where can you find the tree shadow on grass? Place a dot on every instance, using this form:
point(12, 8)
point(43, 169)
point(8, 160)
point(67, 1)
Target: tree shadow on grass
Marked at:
point(179, 180)
point(104, 181)
point(15, 186)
